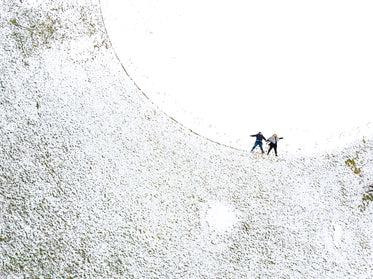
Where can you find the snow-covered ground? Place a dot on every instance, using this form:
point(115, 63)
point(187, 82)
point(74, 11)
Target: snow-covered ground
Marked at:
point(230, 69)
point(97, 182)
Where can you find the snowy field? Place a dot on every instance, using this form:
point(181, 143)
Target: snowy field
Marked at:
point(228, 69)
point(97, 182)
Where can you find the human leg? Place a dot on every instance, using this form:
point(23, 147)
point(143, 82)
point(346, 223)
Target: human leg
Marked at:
point(261, 146)
point(255, 145)
point(270, 148)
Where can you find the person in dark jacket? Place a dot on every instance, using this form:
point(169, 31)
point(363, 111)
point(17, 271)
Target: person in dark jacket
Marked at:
point(273, 143)
point(259, 138)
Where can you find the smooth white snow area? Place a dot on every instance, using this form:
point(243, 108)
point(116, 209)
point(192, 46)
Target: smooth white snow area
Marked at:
point(96, 181)
point(228, 69)
point(220, 217)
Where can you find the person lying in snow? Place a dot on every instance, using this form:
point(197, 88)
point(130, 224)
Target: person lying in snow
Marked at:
point(259, 137)
point(273, 143)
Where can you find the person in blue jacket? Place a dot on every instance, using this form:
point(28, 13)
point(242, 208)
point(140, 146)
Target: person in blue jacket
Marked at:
point(259, 141)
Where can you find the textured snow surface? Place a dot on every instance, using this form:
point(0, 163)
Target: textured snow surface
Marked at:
point(97, 182)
